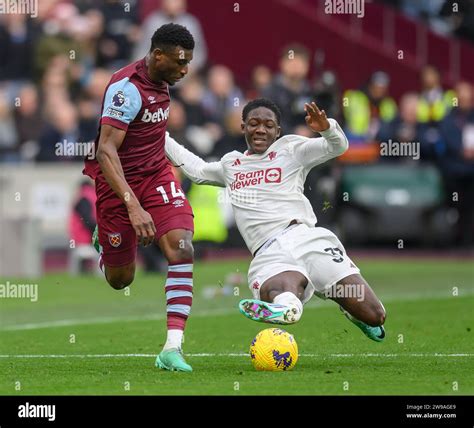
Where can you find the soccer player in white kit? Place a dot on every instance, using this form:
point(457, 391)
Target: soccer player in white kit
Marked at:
point(293, 259)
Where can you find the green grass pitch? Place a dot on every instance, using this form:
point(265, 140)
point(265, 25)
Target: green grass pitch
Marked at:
point(82, 337)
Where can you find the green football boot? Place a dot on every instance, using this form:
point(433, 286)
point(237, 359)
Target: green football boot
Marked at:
point(375, 333)
point(172, 360)
point(272, 313)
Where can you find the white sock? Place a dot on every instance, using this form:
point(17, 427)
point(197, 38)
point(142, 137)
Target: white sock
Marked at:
point(174, 339)
point(289, 299)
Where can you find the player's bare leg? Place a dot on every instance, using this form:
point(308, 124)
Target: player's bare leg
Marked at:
point(280, 299)
point(121, 276)
point(360, 305)
point(176, 246)
point(281, 296)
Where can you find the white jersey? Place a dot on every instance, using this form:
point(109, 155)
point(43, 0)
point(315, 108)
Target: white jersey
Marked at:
point(266, 190)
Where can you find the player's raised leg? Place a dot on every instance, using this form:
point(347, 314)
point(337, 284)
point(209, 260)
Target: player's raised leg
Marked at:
point(176, 246)
point(360, 305)
point(280, 299)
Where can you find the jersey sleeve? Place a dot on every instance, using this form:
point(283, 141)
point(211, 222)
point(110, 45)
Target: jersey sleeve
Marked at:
point(195, 168)
point(310, 152)
point(122, 102)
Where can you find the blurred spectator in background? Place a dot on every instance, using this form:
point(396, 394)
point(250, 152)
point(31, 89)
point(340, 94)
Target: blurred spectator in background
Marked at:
point(428, 11)
point(406, 128)
point(365, 110)
point(174, 11)
point(459, 18)
point(191, 92)
point(222, 94)
point(83, 217)
point(177, 125)
point(88, 118)
point(121, 32)
point(57, 39)
point(233, 139)
point(261, 78)
point(54, 86)
point(457, 160)
point(95, 85)
point(201, 131)
point(290, 89)
point(16, 48)
point(8, 135)
point(61, 127)
point(327, 94)
point(28, 121)
point(82, 222)
point(434, 102)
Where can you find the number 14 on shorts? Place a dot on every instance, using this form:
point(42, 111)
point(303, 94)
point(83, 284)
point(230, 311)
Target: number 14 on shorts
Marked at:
point(175, 193)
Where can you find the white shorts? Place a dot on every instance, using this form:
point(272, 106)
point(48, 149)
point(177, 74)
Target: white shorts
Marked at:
point(315, 252)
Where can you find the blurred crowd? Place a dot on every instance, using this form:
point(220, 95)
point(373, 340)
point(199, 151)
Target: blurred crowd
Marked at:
point(54, 68)
point(448, 17)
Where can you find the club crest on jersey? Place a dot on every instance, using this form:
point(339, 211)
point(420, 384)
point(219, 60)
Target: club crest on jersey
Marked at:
point(118, 100)
point(272, 155)
point(115, 239)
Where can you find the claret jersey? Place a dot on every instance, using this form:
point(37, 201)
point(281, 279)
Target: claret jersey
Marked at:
point(134, 103)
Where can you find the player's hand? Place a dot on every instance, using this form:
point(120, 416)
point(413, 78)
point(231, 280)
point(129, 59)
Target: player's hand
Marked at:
point(143, 224)
point(316, 119)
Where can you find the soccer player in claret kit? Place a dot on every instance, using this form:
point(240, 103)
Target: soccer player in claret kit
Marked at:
point(293, 258)
point(138, 199)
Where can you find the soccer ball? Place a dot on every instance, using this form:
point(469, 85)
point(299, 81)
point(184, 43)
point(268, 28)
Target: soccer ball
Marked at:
point(274, 349)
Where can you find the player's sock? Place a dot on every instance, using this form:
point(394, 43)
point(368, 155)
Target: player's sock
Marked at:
point(99, 249)
point(179, 299)
point(101, 264)
point(174, 339)
point(289, 299)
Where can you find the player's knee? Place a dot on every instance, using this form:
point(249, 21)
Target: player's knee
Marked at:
point(377, 316)
point(119, 282)
point(183, 250)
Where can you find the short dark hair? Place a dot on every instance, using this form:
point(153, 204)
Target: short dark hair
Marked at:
point(261, 102)
point(172, 35)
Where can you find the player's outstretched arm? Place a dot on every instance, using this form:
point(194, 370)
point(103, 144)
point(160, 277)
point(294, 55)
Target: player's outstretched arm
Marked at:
point(107, 156)
point(195, 168)
point(313, 151)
